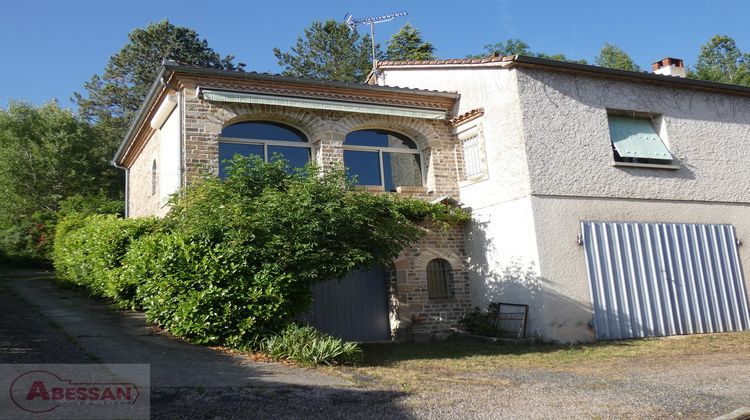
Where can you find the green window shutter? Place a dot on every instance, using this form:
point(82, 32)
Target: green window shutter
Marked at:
point(636, 138)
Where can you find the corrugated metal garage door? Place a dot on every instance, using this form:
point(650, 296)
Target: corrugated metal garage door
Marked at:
point(355, 308)
point(658, 279)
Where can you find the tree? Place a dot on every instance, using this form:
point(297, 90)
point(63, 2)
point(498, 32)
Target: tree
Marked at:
point(113, 98)
point(517, 47)
point(329, 51)
point(408, 44)
point(509, 47)
point(614, 57)
point(720, 60)
point(47, 155)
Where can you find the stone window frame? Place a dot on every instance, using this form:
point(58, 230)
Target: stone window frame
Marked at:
point(307, 144)
point(472, 130)
point(416, 151)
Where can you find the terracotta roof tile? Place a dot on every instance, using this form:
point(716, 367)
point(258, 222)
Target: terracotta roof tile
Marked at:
point(482, 60)
point(466, 116)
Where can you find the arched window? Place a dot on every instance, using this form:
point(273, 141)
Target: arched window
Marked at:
point(154, 178)
point(264, 139)
point(439, 278)
point(380, 157)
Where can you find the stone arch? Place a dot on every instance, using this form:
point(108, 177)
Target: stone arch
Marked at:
point(419, 262)
point(423, 134)
point(306, 122)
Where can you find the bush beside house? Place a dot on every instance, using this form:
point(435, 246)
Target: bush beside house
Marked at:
point(234, 261)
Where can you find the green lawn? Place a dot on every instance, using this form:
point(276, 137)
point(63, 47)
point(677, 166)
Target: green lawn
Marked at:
point(411, 365)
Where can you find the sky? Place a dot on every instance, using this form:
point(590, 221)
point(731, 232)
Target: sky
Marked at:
point(48, 49)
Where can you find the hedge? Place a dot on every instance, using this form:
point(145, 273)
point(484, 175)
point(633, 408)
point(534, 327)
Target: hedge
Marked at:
point(89, 250)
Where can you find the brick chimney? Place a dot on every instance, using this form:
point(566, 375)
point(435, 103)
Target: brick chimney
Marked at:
point(669, 67)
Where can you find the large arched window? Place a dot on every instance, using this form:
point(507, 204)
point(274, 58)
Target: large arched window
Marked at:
point(264, 139)
point(379, 157)
point(439, 278)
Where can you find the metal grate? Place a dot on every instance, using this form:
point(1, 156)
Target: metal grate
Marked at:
point(472, 157)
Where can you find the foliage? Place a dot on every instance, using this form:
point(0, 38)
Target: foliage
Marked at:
point(614, 57)
point(241, 254)
point(48, 156)
point(408, 44)
point(515, 46)
point(481, 322)
point(88, 251)
point(720, 60)
point(328, 51)
point(113, 98)
point(306, 345)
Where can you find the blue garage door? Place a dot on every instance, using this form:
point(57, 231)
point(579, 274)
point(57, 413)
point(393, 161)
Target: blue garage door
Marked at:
point(355, 308)
point(657, 279)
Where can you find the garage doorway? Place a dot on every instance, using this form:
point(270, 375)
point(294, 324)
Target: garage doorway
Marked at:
point(660, 279)
point(355, 308)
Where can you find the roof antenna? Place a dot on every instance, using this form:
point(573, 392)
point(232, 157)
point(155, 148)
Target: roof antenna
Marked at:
point(352, 24)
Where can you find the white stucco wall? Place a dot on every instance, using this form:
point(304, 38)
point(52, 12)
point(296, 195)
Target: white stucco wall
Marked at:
point(501, 241)
point(550, 167)
point(565, 298)
point(567, 139)
point(169, 153)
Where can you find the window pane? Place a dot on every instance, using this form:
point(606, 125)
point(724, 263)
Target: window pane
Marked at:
point(364, 165)
point(263, 131)
point(438, 277)
point(401, 170)
point(228, 150)
point(379, 138)
point(296, 157)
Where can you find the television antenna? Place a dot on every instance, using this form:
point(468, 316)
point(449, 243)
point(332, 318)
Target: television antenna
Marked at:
point(352, 24)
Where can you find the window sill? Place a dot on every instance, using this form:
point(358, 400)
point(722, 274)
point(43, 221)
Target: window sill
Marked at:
point(411, 190)
point(645, 165)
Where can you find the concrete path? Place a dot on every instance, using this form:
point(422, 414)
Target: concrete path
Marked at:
point(41, 323)
point(125, 337)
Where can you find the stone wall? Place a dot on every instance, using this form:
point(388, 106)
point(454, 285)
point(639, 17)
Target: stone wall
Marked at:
point(412, 312)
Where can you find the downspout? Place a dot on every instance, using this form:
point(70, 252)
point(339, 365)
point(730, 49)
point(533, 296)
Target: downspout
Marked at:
point(127, 187)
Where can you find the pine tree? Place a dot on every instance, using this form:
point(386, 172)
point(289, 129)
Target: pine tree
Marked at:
point(613, 57)
point(408, 44)
point(329, 51)
point(113, 98)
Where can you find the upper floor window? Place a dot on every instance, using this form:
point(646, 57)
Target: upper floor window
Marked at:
point(636, 142)
point(263, 139)
point(385, 158)
point(473, 166)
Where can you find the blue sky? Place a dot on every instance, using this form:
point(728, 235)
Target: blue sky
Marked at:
point(49, 48)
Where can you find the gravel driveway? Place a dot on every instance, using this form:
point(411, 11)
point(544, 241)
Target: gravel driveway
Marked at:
point(42, 324)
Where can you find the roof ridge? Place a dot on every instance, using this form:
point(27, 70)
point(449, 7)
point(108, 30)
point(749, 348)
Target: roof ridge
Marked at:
point(468, 60)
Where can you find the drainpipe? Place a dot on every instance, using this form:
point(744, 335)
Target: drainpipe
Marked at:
point(127, 187)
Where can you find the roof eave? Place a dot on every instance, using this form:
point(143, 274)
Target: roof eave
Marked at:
point(141, 115)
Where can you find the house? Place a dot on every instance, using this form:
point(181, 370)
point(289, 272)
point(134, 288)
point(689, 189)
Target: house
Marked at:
point(611, 204)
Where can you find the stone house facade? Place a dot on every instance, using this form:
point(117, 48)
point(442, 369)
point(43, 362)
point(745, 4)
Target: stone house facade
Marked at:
point(178, 137)
point(610, 204)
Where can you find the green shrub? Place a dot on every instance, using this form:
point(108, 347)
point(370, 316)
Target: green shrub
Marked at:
point(305, 344)
point(89, 250)
point(481, 322)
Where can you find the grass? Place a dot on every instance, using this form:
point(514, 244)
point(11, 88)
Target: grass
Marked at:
point(412, 366)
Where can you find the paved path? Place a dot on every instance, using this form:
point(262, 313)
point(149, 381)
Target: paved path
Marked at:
point(41, 323)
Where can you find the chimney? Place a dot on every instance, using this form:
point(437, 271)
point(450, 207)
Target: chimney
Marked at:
point(669, 67)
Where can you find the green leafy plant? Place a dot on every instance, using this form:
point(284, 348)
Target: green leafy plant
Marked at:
point(89, 250)
point(306, 345)
point(482, 322)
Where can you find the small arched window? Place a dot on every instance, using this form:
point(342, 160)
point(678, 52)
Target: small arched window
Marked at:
point(154, 178)
point(439, 279)
point(380, 157)
point(264, 139)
